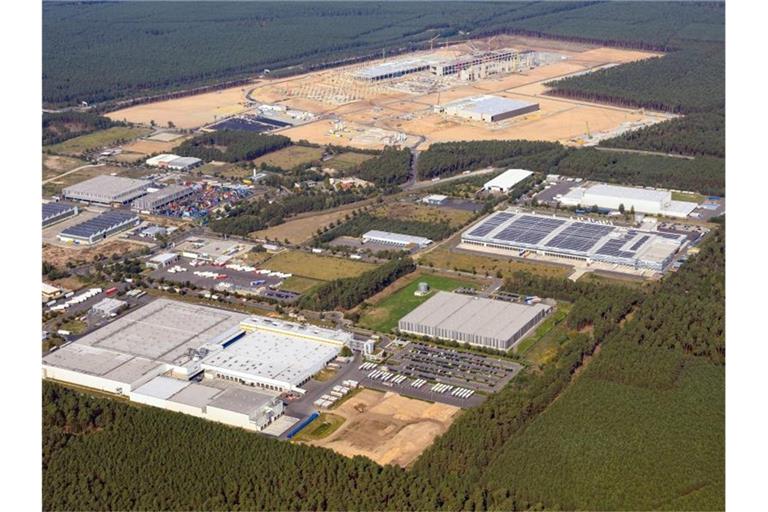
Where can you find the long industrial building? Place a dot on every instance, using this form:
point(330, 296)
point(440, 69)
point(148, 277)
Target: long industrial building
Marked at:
point(397, 68)
point(655, 202)
point(174, 162)
point(474, 320)
point(453, 66)
point(107, 190)
point(100, 227)
point(57, 212)
point(488, 108)
point(517, 233)
point(505, 181)
point(161, 198)
point(396, 239)
point(151, 355)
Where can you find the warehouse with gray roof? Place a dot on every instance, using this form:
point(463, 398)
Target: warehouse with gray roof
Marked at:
point(396, 239)
point(473, 320)
point(489, 108)
point(107, 190)
point(160, 198)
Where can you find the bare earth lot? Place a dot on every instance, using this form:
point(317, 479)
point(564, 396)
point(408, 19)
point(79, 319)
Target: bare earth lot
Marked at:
point(388, 428)
point(58, 256)
point(362, 115)
point(187, 112)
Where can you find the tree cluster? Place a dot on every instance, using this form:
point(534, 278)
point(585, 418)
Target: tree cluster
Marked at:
point(347, 293)
point(231, 145)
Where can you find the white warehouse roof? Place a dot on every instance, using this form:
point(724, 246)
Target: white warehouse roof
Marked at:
point(508, 179)
point(395, 238)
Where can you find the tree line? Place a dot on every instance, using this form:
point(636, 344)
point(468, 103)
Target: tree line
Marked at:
point(237, 145)
point(263, 213)
point(704, 174)
point(388, 170)
point(363, 222)
point(61, 126)
point(347, 293)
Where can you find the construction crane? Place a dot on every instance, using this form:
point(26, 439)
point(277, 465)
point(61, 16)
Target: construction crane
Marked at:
point(432, 42)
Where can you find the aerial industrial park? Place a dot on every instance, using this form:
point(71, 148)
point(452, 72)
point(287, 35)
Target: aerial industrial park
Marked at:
point(359, 257)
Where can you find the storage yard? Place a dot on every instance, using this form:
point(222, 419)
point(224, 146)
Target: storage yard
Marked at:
point(393, 101)
point(531, 235)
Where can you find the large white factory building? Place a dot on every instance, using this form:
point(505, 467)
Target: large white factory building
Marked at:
point(651, 201)
point(151, 355)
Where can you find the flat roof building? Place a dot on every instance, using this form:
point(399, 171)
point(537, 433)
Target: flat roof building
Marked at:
point(175, 162)
point(434, 199)
point(159, 199)
point(398, 68)
point(488, 108)
point(107, 190)
point(505, 181)
point(57, 212)
point(651, 201)
point(100, 227)
point(473, 320)
point(108, 306)
point(396, 239)
point(151, 354)
point(516, 233)
point(162, 260)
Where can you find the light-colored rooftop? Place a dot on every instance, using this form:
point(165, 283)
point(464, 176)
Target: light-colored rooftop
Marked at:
point(243, 401)
point(273, 355)
point(398, 238)
point(627, 192)
point(164, 330)
point(108, 186)
point(474, 315)
point(100, 362)
point(508, 178)
point(162, 387)
point(488, 104)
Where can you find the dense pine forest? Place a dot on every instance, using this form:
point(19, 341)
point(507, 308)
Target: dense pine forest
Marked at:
point(705, 174)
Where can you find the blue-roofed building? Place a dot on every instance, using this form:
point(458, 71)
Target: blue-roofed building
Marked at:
point(57, 212)
point(99, 228)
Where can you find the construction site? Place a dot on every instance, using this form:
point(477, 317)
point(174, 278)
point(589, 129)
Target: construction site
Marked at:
point(411, 100)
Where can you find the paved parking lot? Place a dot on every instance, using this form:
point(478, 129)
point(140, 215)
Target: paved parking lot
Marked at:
point(237, 278)
point(450, 366)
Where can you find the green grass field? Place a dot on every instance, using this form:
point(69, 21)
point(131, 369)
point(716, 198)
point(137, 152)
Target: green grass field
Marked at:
point(541, 332)
point(291, 156)
point(325, 425)
point(315, 266)
point(694, 198)
point(300, 284)
point(347, 161)
point(383, 317)
point(99, 139)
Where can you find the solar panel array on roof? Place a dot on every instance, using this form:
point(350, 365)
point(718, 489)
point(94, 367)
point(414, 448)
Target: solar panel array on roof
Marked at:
point(639, 242)
point(100, 224)
point(528, 229)
point(491, 223)
point(54, 209)
point(579, 236)
point(571, 239)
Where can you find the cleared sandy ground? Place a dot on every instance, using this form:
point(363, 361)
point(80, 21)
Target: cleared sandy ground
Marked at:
point(387, 427)
point(187, 112)
point(371, 114)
